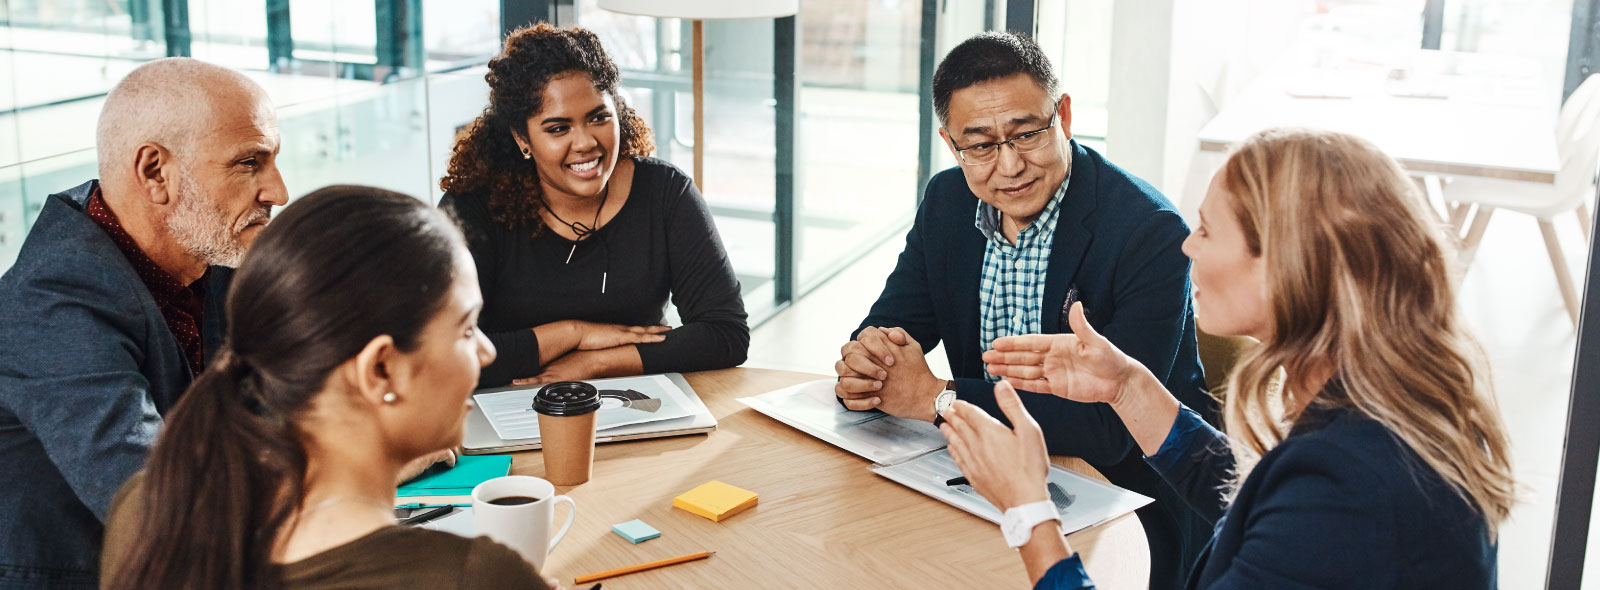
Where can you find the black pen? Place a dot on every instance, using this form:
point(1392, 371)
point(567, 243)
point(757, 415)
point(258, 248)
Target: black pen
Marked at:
point(427, 515)
point(958, 481)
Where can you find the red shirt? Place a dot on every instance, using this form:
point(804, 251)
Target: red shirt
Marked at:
point(181, 305)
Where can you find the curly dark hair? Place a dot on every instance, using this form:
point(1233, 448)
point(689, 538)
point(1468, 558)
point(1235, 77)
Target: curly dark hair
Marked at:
point(486, 160)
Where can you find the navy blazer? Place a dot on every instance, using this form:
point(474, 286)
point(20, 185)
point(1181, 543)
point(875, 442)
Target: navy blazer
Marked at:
point(87, 368)
point(1117, 248)
point(1340, 503)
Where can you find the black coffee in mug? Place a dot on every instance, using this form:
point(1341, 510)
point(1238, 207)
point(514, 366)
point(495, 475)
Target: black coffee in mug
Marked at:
point(513, 500)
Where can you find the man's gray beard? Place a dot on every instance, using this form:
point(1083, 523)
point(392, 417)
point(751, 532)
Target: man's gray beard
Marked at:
point(202, 229)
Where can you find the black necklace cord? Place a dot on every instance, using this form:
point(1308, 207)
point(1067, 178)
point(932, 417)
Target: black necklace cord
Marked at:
point(582, 233)
point(604, 270)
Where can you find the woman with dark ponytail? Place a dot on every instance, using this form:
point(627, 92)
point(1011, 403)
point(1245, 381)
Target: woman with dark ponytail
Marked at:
point(352, 351)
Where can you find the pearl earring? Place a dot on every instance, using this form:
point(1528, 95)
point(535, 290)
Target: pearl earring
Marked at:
point(390, 397)
point(526, 155)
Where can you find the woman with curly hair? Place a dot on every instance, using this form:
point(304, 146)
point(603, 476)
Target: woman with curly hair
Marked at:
point(580, 237)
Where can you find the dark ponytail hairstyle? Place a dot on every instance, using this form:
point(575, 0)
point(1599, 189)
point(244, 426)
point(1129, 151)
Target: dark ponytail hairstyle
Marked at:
point(336, 269)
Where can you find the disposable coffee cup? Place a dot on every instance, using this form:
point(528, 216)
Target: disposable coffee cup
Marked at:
point(519, 512)
point(566, 430)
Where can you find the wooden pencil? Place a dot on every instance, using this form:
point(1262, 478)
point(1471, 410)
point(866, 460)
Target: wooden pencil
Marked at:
point(641, 567)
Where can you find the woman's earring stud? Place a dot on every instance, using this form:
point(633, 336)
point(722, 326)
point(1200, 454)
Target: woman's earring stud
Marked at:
point(390, 397)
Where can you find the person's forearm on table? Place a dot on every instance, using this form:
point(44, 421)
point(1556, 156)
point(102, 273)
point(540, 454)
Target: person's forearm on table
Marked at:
point(1147, 409)
point(1043, 550)
point(556, 339)
point(619, 361)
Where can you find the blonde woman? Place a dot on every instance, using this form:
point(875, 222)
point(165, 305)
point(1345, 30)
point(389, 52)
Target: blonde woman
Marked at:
point(1363, 448)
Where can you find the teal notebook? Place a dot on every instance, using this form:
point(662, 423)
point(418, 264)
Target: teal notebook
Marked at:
point(470, 470)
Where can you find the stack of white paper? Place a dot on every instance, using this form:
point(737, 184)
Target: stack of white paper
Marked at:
point(912, 453)
point(1081, 501)
point(881, 438)
point(624, 401)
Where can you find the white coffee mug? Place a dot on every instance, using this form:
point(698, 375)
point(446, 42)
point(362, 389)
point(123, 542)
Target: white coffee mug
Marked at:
point(523, 527)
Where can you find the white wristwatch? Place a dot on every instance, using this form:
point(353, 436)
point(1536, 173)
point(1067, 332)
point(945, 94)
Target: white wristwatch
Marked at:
point(946, 399)
point(1018, 522)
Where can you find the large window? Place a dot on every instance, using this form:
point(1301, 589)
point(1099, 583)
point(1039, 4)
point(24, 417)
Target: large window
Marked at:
point(56, 58)
point(1076, 34)
point(856, 153)
point(375, 93)
point(365, 93)
point(801, 183)
point(656, 57)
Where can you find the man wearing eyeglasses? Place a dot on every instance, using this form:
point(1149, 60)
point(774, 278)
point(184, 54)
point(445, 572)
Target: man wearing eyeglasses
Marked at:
point(1029, 223)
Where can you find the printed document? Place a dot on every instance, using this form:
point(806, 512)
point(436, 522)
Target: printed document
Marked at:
point(879, 437)
point(624, 401)
point(912, 453)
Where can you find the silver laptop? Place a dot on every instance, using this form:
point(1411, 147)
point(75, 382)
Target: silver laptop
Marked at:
point(480, 438)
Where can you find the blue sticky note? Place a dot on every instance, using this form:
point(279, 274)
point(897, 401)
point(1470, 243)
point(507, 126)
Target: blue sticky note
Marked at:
point(467, 474)
point(635, 531)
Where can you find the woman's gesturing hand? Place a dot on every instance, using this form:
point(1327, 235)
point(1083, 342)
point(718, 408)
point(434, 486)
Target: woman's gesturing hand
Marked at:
point(1082, 366)
point(1007, 466)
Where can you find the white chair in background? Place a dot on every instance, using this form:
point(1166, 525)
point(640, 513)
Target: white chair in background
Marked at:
point(1577, 137)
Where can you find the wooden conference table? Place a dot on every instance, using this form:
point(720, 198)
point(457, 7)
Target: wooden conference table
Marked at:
point(823, 521)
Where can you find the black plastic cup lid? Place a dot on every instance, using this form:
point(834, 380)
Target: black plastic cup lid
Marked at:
point(567, 398)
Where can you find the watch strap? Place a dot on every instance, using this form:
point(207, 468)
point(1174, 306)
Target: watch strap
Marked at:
point(1018, 522)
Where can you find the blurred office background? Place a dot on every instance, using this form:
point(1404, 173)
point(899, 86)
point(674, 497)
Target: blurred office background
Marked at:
point(820, 132)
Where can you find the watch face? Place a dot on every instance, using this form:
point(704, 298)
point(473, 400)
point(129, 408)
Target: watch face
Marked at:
point(941, 403)
point(1011, 528)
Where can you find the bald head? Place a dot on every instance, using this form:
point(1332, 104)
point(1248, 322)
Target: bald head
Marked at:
point(188, 162)
point(169, 102)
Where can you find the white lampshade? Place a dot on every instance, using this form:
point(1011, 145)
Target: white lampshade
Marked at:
point(704, 9)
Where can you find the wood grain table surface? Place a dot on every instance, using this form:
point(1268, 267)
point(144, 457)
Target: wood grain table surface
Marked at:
point(823, 520)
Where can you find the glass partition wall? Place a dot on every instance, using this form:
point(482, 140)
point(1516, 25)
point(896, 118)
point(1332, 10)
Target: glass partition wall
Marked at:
point(351, 81)
point(819, 128)
point(812, 129)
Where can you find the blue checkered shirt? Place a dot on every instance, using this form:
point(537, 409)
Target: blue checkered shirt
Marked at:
point(1011, 292)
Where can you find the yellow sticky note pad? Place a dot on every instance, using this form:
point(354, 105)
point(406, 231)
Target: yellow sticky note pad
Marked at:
point(715, 500)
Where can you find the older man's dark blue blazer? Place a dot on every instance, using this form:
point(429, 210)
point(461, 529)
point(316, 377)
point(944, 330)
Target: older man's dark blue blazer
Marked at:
point(88, 366)
point(1117, 249)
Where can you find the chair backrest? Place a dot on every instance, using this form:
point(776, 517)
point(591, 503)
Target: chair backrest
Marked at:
point(1578, 139)
point(1217, 356)
point(1584, 99)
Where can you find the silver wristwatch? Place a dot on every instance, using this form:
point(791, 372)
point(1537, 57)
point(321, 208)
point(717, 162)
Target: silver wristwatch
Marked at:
point(946, 399)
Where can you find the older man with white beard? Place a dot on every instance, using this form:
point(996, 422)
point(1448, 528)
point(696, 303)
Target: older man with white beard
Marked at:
point(116, 301)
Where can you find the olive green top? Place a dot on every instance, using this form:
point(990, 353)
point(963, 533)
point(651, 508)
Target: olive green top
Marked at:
point(395, 557)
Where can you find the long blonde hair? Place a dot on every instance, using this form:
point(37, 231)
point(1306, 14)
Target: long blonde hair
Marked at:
point(1360, 280)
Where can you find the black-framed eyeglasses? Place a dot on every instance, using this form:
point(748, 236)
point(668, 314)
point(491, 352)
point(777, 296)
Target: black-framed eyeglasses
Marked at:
point(986, 152)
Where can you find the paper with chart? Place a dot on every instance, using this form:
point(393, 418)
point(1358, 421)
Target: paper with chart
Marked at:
point(879, 437)
point(1081, 501)
point(624, 401)
point(912, 453)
